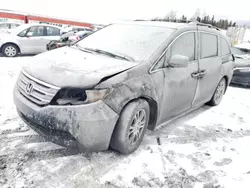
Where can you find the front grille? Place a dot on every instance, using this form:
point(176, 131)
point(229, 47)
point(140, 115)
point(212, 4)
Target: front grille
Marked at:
point(37, 91)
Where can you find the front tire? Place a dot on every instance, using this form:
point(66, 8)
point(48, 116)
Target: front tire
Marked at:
point(10, 50)
point(131, 127)
point(218, 94)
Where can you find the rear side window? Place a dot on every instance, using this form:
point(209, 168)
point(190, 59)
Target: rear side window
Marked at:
point(184, 45)
point(52, 31)
point(225, 49)
point(209, 45)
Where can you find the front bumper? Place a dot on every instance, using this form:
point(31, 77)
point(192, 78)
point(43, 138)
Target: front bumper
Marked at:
point(91, 125)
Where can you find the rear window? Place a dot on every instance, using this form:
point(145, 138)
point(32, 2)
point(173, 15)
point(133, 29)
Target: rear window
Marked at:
point(136, 41)
point(225, 49)
point(209, 45)
point(52, 31)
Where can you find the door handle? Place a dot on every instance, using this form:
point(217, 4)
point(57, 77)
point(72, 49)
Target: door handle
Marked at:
point(195, 74)
point(199, 74)
point(202, 73)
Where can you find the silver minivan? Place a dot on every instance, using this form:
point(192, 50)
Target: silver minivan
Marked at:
point(107, 89)
point(28, 39)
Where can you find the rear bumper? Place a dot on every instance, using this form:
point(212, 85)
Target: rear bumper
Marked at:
point(241, 81)
point(241, 78)
point(90, 125)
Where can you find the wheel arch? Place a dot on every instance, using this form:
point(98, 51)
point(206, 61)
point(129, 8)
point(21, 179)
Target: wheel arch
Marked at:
point(227, 80)
point(153, 107)
point(13, 43)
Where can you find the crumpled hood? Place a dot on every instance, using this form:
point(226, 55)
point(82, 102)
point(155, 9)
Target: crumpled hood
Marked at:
point(240, 62)
point(71, 67)
point(246, 56)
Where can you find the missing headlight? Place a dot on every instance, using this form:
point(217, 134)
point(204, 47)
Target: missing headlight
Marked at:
point(70, 96)
point(77, 96)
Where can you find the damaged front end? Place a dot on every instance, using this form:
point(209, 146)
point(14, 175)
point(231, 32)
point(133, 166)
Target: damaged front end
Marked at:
point(73, 117)
point(82, 105)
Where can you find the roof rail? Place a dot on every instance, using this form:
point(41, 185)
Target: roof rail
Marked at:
point(165, 20)
point(203, 24)
point(183, 21)
point(175, 21)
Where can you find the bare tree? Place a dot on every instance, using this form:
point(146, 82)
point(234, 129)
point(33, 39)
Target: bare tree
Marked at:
point(204, 14)
point(156, 18)
point(171, 16)
point(196, 14)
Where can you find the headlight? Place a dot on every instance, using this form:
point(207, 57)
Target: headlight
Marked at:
point(76, 96)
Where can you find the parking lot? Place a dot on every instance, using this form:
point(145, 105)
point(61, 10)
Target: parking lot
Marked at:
point(208, 147)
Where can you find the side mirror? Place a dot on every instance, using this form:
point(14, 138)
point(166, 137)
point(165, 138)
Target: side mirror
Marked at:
point(29, 34)
point(179, 61)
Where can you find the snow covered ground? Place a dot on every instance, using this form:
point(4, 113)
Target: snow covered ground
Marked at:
point(206, 148)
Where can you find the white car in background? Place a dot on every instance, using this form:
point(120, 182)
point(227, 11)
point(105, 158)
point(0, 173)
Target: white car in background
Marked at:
point(8, 25)
point(76, 29)
point(28, 39)
point(79, 35)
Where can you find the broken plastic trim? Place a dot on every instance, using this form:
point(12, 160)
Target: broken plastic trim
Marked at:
point(78, 96)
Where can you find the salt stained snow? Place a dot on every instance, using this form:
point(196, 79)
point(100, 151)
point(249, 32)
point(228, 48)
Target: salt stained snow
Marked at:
point(208, 147)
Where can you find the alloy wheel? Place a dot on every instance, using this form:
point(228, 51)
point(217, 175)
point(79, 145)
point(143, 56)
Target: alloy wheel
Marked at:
point(220, 91)
point(137, 126)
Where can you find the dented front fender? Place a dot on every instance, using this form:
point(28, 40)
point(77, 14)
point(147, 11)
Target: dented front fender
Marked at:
point(132, 84)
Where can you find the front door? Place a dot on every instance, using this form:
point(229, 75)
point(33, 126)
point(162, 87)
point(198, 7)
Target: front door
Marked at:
point(179, 83)
point(32, 41)
point(209, 67)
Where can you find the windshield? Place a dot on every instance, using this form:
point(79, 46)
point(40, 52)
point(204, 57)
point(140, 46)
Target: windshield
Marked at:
point(135, 41)
point(19, 29)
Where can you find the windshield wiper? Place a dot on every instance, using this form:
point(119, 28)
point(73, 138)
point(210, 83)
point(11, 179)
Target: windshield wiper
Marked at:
point(109, 54)
point(80, 48)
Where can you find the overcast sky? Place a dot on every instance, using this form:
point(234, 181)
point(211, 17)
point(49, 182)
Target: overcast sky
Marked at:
point(112, 10)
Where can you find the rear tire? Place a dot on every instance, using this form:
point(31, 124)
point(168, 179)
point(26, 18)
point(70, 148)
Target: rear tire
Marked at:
point(131, 127)
point(10, 50)
point(218, 94)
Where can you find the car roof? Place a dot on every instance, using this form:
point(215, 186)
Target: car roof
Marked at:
point(172, 25)
point(25, 26)
point(80, 32)
point(39, 24)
